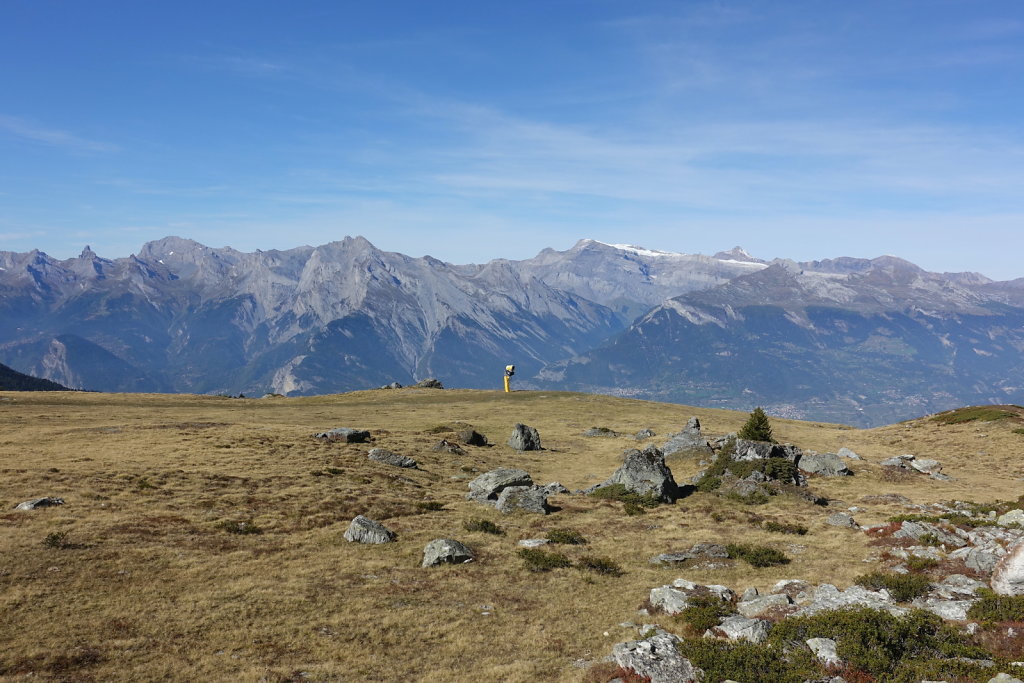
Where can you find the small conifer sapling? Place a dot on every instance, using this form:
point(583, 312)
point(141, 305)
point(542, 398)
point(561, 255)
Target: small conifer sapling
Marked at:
point(757, 427)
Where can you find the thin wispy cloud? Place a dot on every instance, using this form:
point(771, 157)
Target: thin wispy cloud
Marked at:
point(28, 130)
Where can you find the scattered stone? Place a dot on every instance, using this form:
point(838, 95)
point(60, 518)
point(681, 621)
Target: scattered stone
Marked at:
point(429, 383)
point(644, 434)
point(825, 650)
point(471, 437)
point(926, 465)
point(916, 530)
point(487, 487)
point(689, 440)
point(760, 605)
point(657, 659)
point(828, 597)
point(1011, 517)
point(750, 594)
point(740, 628)
point(393, 385)
point(524, 438)
point(600, 431)
point(36, 503)
point(364, 530)
point(645, 473)
point(555, 488)
point(1004, 678)
point(698, 551)
point(533, 542)
point(825, 464)
point(530, 499)
point(674, 598)
point(388, 458)
point(345, 434)
point(445, 550)
point(841, 519)
point(1008, 574)
point(446, 446)
point(845, 452)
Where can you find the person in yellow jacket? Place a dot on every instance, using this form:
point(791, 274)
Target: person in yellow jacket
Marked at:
point(509, 371)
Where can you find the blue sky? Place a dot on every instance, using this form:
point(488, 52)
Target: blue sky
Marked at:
point(473, 130)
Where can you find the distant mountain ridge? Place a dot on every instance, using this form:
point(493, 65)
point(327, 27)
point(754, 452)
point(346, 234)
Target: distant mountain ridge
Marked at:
point(856, 340)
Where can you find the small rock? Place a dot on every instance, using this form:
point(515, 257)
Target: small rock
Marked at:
point(600, 431)
point(533, 542)
point(825, 650)
point(1004, 678)
point(393, 385)
point(750, 594)
point(1011, 517)
point(37, 503)
point(740, 628)
point(429, 383)
point(644, 434)
point(388, 458)
point(841, 519)
point(364, 530)
point(952, 610)
point(471, 437)
point(825, 465)
point(926, 465)
point(555, 488)
point(524, 438)
point(445, 550)
point(758, 606)
point(345, 434)
point(845, 452)
point(446, 446)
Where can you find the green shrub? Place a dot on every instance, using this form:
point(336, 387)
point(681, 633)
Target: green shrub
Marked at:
point(750, 663)
point(877, 642)
point(993, 607)
point(902, 587)
point(703, 612)
point(757, 427)
point(541, 561)
point(759, 497)
point(929, 539)
point(620, 493)
point(599, 565)
point(56, 540)
point(633, 509)
point(756, 555)
point(958, 519)
point(483, 525)
point(709, 483)
point(430, 505)
point(784, 528)
point(1019, 430)
point(566, 537)
point(241, 527)
point(921, 564)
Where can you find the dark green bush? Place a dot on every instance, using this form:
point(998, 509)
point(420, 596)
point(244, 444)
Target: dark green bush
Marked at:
point(921, 564)
point(541, 561)
point(633, 509)
point(483, 525)
point(599, 565)
point(708, 483)
point(430, 505)
point(703, 612)
point(757, 555)
point(566, 537)
point(878, 643)
point(56, 540)
point(750, 663)
point(620, 493)
point(993, 607)
point(757, 427)
point(784, 528)
point(902, 587)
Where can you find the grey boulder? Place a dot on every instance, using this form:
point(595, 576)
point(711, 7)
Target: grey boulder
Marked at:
point(1008, 575)
point(487, 487)
point(825, 650)
point(471, 437)
point(524, 438)
point(37, 503)
point(344, 434)
point(645, 473)
point(429, 383)
point(841, 519)
point(445, 551)
point(824, 464)
point(657, 659)
point(688, 440)
point(761, 605)
point(388, 458)
point(364, 530)
point(531, 499)
point(845, 452)
point(740, 628)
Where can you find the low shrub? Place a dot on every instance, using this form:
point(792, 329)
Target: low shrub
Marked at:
point(703, 612)
point(541, 561)
point(56, 540)
point(241, 527)
point(633, 509)
point(430, 505)
point(753, 498)
point(709, 483)
point(566, 537)
point(921, 564)
point(484, 526)
point(620, 493)
point(750, 663)
point(599, 565)
point(993, 607)
point(784, 528)
point(757, 555)
point(902, 587)
point(1019, 430)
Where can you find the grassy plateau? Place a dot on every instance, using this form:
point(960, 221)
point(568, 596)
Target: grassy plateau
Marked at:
point(202, 537)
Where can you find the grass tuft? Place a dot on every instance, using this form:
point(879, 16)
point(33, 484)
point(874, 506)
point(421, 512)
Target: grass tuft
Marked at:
point(599, 565)
point(484, 526)
point(757, 555)
point(542, 561)
point(566, 536)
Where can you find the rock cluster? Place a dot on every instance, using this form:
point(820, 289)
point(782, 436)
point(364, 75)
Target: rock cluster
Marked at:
point(512, 490)
point(344, 434)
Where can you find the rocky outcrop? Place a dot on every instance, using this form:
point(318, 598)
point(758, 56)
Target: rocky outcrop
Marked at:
point(657, 659)
point(689, 440)
point(645, 473)
point(674, 598)
point(364, 530)
point(524, 438)
point(740, 628)
point(445, 551)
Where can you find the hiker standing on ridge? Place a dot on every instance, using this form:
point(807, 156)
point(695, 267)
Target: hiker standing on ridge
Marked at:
point(509, 371)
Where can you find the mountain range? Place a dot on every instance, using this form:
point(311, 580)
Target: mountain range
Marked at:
point(861, 341)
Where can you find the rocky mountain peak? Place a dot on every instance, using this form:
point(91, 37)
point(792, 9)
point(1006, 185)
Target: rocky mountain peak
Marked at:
point(737, 253)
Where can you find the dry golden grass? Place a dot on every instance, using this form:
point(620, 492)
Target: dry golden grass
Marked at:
point(152, 586)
